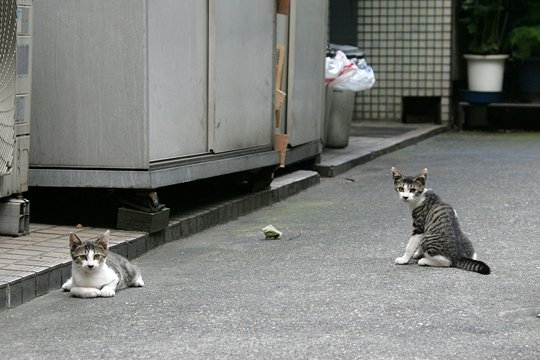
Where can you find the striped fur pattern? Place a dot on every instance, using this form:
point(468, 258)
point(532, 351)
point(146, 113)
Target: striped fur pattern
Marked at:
point(437, 239)
point(96, 272)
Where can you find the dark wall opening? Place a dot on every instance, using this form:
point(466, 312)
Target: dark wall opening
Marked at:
point(344, 22)
point(421, 109)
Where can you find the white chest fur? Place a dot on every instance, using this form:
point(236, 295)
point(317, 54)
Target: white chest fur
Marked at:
point(94, 278)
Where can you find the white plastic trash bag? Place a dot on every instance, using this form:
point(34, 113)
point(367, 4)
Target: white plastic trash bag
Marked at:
point(354, 76)
point(333, 69)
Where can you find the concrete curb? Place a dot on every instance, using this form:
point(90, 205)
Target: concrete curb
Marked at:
point(49, 278)
point(342, 163)
point(220, 213)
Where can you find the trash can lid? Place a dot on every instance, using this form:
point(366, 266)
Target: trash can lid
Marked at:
point(349, 50)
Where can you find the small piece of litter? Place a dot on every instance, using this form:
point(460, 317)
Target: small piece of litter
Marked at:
point(271, 232)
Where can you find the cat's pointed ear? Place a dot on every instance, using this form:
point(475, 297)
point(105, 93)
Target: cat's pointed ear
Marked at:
point(74, 241)
point(421, 178)
point(397, 174)
point(103, 240)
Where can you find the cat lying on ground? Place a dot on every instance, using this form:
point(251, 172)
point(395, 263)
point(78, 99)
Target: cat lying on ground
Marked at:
point(437, 239)
point(96, 271)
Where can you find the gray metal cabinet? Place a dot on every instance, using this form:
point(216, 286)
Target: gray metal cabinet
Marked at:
point(89, 100)
point(177, 78)
point(305, 90)
point(241, 70)
point(148, 93)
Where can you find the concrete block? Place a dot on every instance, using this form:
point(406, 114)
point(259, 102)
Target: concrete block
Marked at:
point(15, 297)
point(235, 209)
point(3, 297)
point(15, 217)
point(266, 198)
point(66, 271)
point(55, 278)
point(129, 219)
point(213, 216)
point(42, 283)
point(28, 288)
point(120, 249)
point(141, 245)
point(245, 206)
point(160, 240)
point(189, 225)
point(153, 239)
point(173, 232)
point(200, 221)
point(132, 250)
point(223, 213)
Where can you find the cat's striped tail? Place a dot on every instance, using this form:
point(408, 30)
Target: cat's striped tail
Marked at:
point(473, 265)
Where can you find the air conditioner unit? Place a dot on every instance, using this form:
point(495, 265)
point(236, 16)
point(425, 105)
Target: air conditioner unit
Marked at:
point(15, 90)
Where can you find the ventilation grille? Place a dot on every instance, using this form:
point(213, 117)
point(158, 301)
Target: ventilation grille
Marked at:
point(8, 67)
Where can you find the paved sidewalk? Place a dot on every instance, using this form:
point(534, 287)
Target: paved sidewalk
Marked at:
point(329, 288)
point(33, 265)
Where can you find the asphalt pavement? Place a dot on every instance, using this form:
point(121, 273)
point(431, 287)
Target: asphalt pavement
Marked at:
point(328, 289)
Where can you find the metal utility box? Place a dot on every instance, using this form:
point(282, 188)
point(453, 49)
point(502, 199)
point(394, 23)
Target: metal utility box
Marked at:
point(15, 90)
point(145, 93)
point(16, 65)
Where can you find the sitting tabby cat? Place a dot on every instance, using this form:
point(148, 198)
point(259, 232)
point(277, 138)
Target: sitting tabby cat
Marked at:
point(96, 271)
point(437, 239)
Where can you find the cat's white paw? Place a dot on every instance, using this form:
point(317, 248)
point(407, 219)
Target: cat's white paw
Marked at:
point(67, 285)
point(84, 292)
point(402, 261)
point(106, 292)
point(138, 282)
point(437, 260)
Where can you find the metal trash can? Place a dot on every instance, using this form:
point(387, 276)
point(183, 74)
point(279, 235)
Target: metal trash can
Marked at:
point(352, 52)
point(339, 113)
point(339, 104)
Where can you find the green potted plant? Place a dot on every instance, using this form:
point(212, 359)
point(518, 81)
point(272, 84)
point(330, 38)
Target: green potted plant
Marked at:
point(485, 23)
point(524, 41)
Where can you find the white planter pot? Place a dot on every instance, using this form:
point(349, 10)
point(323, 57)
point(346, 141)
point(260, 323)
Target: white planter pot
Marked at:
point(485, 72)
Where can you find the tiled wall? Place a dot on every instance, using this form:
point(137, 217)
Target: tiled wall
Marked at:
point(408, 44)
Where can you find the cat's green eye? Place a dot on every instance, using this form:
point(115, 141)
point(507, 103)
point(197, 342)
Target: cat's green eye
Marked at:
point(400, 189)
point(82, 257)
point(97, 257)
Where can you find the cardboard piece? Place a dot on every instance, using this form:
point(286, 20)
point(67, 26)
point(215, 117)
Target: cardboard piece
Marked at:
point(282, 7)
point(280, 144)
point(280, 140)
